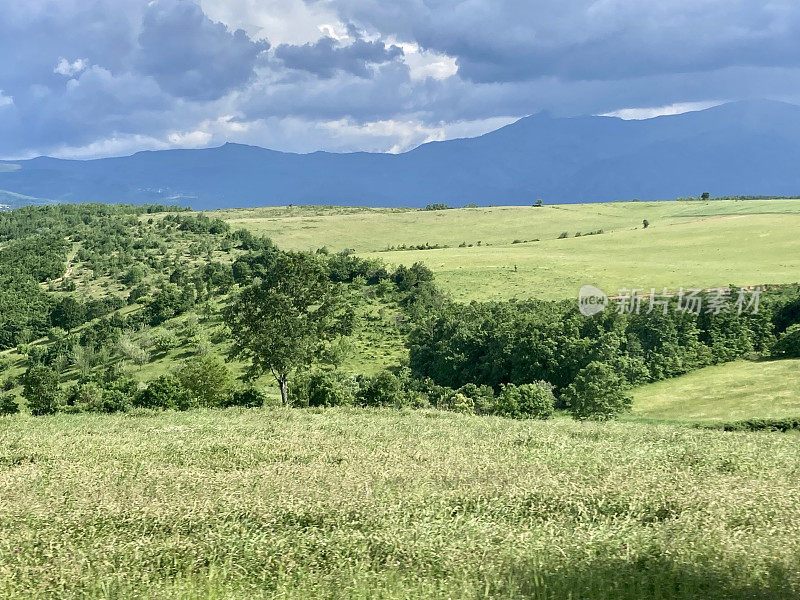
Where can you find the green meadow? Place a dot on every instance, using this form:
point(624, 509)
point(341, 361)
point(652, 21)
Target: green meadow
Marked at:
point(730, 392)
point(688, 244)
point(346, 503)
point(349, 503)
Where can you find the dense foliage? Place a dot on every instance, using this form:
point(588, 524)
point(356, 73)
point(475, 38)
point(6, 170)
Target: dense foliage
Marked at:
point(498, 343)
point(92, 293)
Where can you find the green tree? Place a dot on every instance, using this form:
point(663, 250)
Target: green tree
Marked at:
point(165, 392)
point(67, 314)
point(382, 389)
point(40, 389)
point(323, 388)
point(282, 322)
point(207, 380)
point(8, 404)
point(788, 344)
point(527, 401)
point(164, 340)
point(598, 393)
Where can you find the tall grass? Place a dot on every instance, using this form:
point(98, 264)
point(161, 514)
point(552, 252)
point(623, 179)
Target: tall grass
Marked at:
point(390, 504)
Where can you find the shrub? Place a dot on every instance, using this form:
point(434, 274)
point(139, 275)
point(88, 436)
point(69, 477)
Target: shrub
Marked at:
point(40, 389)
point(9, 383)
point(207, 379)
point(8, 404)
point(598, 393)
point(323, 389)
point(461, 403)
point(84, 396)
point(164, 340)
point(248, 397)
point(783, 425)
point(133, 351)
point(482, 397)
point(527, 401)
point(788, 344)
point(112, 400)
point(415, 399)
point(383, 389)
point(165, 392)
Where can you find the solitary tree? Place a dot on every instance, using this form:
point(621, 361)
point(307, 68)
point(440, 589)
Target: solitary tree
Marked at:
point(282, 321)
point(705, 196)
point(598, 393)
point(67, 314)
point(41, 390)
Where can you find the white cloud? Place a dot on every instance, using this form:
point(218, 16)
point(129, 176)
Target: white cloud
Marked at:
point(5, 100)
point(70, 69)
point(121, 145)
point(190, 139)
point(633, 114)
point(280, 21)
point(427, 63)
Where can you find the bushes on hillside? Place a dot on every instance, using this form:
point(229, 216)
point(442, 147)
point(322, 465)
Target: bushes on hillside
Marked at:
point(788, 344)
point(387, 389)
point(324, 389)
point(527, 401)
point(8, 404)
point(248, 397)
point(598, 393)
point(165, 392)
point(41, 391)
point(206, 378)
point(382, 389)
point(782, 425)
point(108, 391)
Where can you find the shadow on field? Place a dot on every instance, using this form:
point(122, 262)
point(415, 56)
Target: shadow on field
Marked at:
point(650, 578)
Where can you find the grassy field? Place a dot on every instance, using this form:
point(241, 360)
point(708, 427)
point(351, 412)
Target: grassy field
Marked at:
point(729, 392)
point(398, 504)
point(374, 229)
point(357, 504)
point(745, 250)
point(688, 244)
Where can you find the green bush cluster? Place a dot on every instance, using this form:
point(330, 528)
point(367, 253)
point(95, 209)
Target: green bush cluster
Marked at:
point(495, 344)
point(387, 389)
point(788, 343)
point(9, 405)
point(598, 393)
point(783, 425)
point(201, 381)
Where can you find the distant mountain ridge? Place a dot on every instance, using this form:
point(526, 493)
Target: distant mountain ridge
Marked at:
point(742, 148)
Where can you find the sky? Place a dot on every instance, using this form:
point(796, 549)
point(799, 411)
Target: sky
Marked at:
point(95, 78)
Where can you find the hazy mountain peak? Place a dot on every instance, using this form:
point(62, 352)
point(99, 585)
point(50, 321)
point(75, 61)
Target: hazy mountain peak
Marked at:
point(740, 148)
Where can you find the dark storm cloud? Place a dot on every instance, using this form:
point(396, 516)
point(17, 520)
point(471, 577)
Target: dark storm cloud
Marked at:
point(327, 56)
point(191, 56)
point(139, 73)
point(517, 40)
point(35, 35)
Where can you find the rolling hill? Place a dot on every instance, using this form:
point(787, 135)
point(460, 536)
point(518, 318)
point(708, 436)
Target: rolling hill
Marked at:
point(744, 148)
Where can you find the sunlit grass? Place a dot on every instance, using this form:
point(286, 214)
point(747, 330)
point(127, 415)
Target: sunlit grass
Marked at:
point(729, 392)
point(688, 244)
point(389, 504)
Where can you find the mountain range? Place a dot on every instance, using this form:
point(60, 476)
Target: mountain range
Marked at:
point(741, 148)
